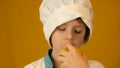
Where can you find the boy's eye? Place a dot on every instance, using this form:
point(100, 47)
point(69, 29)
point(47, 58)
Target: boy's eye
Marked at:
point(76, 31)
point(62, 28)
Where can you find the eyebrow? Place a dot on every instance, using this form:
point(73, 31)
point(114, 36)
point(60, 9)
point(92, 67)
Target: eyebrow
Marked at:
point(79, 25)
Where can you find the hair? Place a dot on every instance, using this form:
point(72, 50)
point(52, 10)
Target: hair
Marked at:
point(50, 40)
point(87, 33)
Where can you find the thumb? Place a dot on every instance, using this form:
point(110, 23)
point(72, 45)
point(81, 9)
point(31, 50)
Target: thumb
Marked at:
point(78, 50)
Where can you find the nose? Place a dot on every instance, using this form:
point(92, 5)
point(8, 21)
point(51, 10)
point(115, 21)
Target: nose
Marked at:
point(69, 36)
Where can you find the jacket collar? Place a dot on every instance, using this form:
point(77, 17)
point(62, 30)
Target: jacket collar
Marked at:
point(48, 60)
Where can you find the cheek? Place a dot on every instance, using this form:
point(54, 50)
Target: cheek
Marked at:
point(57, 40)
point(79, 39)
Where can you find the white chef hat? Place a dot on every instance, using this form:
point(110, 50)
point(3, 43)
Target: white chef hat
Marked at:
point(53, 13)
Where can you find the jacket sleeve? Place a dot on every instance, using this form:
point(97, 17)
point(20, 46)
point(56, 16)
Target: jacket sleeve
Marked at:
point(36, 64)
point(95, 64)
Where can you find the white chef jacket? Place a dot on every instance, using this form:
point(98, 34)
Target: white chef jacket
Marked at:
point(46, 62)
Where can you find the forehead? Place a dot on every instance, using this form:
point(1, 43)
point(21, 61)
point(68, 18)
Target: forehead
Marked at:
point(75, 22)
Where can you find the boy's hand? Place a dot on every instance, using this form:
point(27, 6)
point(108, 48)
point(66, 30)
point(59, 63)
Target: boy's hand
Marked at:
point(70, 57)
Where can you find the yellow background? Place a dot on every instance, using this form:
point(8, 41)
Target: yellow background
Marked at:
point(22, 40)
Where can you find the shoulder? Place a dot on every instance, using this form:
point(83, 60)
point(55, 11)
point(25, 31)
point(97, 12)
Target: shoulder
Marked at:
point(95, 64)
point(36, 64)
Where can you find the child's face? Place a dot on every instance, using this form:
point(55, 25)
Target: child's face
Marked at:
point(72, 32)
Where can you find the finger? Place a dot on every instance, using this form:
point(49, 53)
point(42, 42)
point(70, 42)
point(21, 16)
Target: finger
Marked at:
point(60, 59)
point(64, 53)
point(78, 50)
point(73, 49)
point(70, 47)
